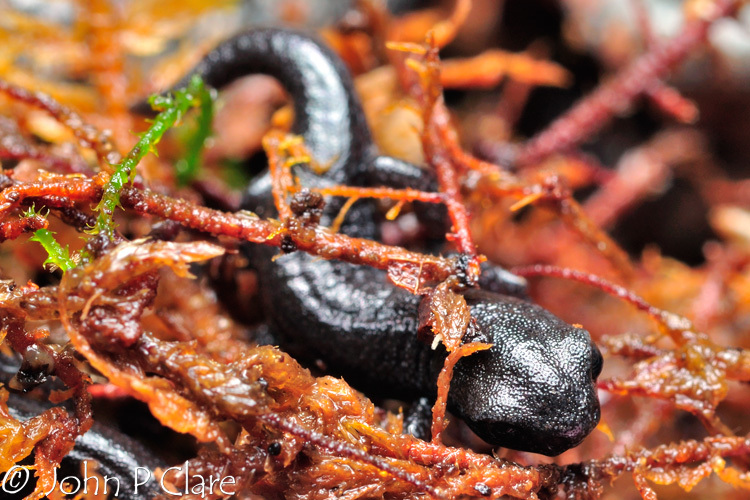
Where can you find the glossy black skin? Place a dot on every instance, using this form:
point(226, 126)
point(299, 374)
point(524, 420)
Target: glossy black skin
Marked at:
point(117, 454)
point(534, 390)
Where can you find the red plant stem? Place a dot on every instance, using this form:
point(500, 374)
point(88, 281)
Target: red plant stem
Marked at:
point(344, 449)
point(450, 187)
point(65, 189)
point(427, 91)
point(107, 391)
point(406, 194)
point(87, 135)
point(670, 321)
point(685, 452)
point(439, 156)
point(316, 241)
point(595, 110)
point(666, 98)
point(11, 149)
point(639, 172)
point(281, 178)
point(643, 22)
point(671, 102)
point(11, 230)
point(439, 422)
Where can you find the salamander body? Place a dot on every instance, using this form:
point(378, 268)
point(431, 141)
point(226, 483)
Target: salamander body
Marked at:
point(534, 390)
point(110, 453)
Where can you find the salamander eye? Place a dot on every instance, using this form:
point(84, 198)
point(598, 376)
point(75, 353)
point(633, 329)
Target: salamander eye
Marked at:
point(596, 362)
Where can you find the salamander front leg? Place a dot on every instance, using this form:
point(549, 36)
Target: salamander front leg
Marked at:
point(418, 418)
point(497, 279)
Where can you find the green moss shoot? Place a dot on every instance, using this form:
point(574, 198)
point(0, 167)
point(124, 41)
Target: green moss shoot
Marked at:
point(172, 107)
point(56, 254)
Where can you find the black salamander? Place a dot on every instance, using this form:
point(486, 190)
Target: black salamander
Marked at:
point(534, 390)
point(117, 455)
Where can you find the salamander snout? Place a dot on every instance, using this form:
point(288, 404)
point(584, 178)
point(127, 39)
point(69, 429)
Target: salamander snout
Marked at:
point(534, 390)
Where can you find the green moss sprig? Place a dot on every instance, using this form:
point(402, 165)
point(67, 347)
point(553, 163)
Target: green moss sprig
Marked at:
point(172, 107)
point(187, 168)
point(56, 254)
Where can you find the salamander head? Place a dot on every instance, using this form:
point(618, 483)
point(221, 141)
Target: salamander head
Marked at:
point(534, 390)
